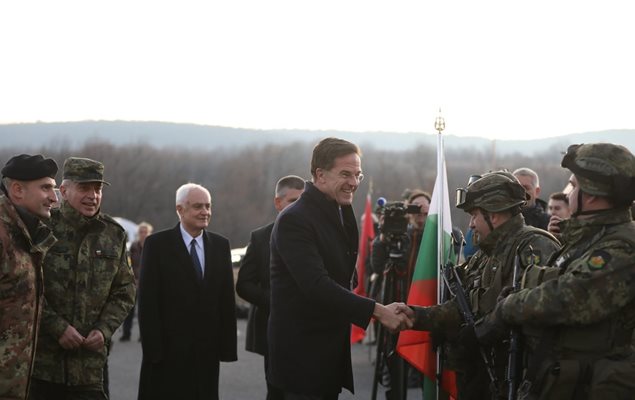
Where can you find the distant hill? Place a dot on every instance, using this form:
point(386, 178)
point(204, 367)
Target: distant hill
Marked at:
point(164, 134)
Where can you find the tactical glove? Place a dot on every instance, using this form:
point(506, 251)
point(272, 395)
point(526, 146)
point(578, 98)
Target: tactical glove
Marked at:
point(492, 328)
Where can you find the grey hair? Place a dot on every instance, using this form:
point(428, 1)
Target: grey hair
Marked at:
point(288, 182)
point(528, 172)
point(183, 191)
point(6, 181)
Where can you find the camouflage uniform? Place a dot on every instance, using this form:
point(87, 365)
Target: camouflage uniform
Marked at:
point(580, 325)
point(20, 298)
point(89, 285)
point(483, 278)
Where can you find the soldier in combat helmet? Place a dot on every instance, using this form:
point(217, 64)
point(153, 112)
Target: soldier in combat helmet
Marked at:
point(494, 203)
point(579, 326)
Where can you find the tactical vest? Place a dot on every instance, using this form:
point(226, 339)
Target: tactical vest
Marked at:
point(582, 361)
point(484, 297)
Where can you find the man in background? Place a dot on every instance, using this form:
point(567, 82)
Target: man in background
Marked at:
point(26, 196)
point(414, 233)
point(534, 211)
point(89, 289)
point(253, 276)
point(187, 308)
point(384, 246)
point(143, 231)
point(558, 207)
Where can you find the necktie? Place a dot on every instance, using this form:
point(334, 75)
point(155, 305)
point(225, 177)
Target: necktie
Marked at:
point(197, 263)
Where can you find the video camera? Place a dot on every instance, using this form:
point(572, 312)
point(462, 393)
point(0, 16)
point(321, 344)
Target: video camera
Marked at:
point(395, 221)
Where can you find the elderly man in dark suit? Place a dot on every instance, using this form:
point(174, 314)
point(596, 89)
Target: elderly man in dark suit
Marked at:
point(313, 253)
point(187, 311)
point(253, 278)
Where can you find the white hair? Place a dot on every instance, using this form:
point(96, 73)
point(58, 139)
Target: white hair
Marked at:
point(528, 172)
point(183, 191)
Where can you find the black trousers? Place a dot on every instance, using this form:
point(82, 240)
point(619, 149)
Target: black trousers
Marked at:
point(42, 390)
point(299, 396)
point(273, 393)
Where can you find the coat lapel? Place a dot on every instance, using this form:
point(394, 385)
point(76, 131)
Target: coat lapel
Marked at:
point(209, 262)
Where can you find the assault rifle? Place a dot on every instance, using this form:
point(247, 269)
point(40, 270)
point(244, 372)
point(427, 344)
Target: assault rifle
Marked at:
point(457, 241)
point(453, 283)
point(512, 374)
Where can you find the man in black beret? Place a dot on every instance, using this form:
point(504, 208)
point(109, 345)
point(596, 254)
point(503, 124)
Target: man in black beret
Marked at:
point(26, 196)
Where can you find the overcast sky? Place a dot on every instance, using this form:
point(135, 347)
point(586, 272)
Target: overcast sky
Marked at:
point(497, 69)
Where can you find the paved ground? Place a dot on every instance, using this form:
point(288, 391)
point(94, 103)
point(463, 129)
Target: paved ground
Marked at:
point(240, 380)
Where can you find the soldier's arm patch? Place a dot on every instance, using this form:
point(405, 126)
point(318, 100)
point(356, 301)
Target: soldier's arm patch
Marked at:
point(598, 260)
point(533, 258)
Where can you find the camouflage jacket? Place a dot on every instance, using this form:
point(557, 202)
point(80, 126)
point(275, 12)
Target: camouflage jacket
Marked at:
point(592, 303)
point(88, 285)
point(486, 273)
point(20, 299)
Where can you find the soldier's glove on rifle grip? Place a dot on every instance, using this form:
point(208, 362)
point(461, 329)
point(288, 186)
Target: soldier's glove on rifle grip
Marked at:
point(491, 328)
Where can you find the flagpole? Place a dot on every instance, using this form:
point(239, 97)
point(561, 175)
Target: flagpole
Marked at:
point(439, 126)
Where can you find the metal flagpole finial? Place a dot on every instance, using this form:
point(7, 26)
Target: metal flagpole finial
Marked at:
point(439, 123)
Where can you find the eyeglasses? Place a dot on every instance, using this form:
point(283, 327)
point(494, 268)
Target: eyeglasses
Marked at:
point(347, 175)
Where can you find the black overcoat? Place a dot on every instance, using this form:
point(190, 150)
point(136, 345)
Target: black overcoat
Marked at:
point(253, 285)
point(187, 325)
point(313, 254)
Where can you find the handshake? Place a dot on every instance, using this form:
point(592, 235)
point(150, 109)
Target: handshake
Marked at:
point(395, 316)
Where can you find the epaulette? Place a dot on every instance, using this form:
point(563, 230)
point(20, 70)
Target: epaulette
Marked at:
point(111, 220)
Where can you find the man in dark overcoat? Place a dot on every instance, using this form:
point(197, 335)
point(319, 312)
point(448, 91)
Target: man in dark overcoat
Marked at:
point(253, 277)
point(187, 313)
point(313, 253)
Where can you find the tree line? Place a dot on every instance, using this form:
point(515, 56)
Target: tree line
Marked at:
point(144, 178)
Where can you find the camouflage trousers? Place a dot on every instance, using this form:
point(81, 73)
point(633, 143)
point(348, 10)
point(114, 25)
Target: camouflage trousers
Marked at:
point(42, 390)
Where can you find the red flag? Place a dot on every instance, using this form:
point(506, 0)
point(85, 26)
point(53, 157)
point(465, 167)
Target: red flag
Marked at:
point(365, 240)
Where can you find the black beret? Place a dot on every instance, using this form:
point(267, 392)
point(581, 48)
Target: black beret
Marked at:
point(29, 168)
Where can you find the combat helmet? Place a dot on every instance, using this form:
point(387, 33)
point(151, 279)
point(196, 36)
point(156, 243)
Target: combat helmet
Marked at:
point(493, 192)
point(603, 169)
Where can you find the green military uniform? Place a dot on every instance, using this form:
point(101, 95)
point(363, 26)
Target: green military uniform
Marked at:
point(483, 278)
point(20, 298)
point(88, 285)
point(580, 325)
point(24, 240)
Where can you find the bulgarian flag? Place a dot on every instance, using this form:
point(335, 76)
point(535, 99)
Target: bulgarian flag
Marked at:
point(436, 248)
point(365, 239)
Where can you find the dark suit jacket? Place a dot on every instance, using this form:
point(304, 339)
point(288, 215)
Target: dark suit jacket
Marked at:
point(312, 262)
point(187, 325)
point(253, 285)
